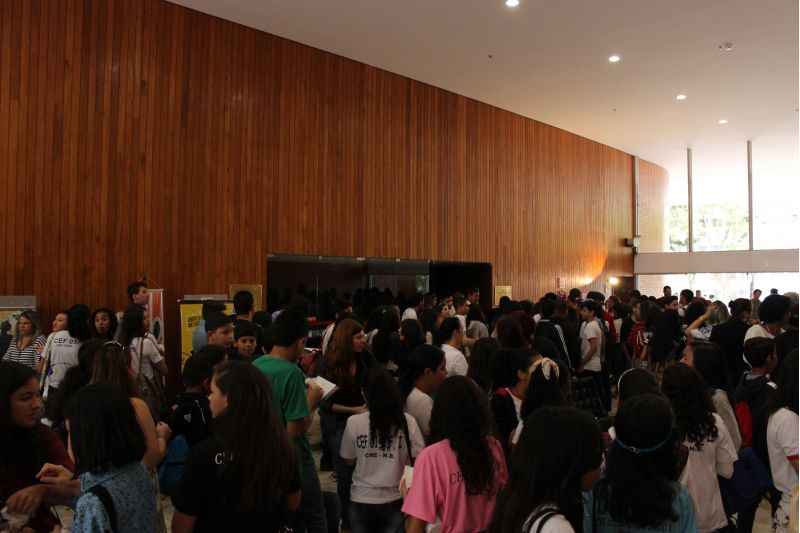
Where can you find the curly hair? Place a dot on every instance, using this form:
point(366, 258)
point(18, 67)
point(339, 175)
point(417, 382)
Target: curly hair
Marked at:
point(691, 403)
point(461, 415)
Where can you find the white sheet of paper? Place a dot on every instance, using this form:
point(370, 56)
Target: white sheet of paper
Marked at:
point(327, 387)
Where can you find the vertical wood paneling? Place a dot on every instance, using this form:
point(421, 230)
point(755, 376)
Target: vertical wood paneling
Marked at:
point(653, 185)
point(141, 138)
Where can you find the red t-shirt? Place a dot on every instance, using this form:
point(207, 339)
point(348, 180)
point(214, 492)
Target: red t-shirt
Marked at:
point(21, 474)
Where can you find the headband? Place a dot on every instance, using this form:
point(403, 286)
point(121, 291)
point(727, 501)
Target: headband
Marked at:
point(641, 451)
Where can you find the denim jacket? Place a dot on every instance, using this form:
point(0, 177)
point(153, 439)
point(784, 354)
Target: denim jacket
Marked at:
point(133, 495)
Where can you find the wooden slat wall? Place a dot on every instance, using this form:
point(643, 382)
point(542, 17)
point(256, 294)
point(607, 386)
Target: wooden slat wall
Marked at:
point(141, 138)
point(653, 185)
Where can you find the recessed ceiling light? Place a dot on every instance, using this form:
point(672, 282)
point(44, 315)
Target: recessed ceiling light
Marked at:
point(614, 58)
point(512, 3)
point(680, 97)
point(722, 121)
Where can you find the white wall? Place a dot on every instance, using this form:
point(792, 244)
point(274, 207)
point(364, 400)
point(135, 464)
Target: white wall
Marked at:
point(740, 261)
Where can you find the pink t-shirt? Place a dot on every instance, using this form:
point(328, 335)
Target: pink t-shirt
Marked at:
point(438, 490)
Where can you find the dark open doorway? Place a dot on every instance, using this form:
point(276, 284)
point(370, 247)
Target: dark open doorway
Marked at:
point(317, 280)
point(447, 277)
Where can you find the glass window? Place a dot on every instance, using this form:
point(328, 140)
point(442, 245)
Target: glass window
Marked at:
point(720, 286)
point(719, 195)
point(776, 188)
point(783, 281)
point(677, 223)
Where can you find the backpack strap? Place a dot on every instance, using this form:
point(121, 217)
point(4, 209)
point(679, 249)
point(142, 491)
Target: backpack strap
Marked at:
point(543, 515)
point(408, 441)
point(105, 498)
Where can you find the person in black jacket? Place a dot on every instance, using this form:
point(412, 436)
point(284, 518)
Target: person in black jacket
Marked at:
point(730, 338)
point(552, 331)
point(191, 413)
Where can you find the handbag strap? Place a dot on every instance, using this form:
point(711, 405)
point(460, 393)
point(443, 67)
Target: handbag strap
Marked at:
point(408, 440)
point(141, 354)
point(108, 503)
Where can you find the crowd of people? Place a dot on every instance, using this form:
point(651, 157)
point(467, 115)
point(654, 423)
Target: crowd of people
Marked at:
point(574, 413)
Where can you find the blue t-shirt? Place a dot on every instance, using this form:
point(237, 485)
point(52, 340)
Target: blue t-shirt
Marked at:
point(682, 506)
point(132, 493)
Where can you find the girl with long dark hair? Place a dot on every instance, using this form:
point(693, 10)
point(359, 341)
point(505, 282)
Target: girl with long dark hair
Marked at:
point(512, 375)
point(346, 364)
point(548, 386)
point(108, 445)
point(558, 455)
point(245, 474)
point(386, 342)
point(703, 432)
point(457, 477)
point(148, 365)
point(481, 363)
point(76, 378)
point(411, 336)
point(425, 371)
point(112, 366)
point(380, 443)
point(706, 358)
point(639, 492)
point(26, 446)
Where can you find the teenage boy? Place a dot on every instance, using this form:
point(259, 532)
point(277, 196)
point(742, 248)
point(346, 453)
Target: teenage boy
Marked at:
point(245, 340)
point(191, 414)
point(773, 314)
point(219, 330)
point(244, 309)
point(453, 340)
point(751, 394)
point(137, 294)
point(750, 404)
point(199, 335)
point(297, 405)
point(591, 364)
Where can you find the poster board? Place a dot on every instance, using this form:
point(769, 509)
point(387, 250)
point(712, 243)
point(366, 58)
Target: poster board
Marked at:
point(155, 313)
point(191, 313)
point(256, 290)
point(500, 291)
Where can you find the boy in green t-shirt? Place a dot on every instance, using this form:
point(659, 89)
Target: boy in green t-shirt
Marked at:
point(297, 403)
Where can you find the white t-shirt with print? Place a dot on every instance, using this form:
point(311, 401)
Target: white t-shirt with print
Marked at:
point(62, 355)
point(757, 330)
point(419, 405)
point(376, 478)
point(409, 314)
point(700, 474)
point(591, 330)
point(151, 355)
point(454, 361)
point(782, 443)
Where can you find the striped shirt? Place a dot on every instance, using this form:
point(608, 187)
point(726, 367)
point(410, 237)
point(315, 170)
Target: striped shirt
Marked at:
point(28, 356)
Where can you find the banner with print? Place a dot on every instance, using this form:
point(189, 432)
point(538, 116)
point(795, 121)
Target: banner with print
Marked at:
point(155, 313)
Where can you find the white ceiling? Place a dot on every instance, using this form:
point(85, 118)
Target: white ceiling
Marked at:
point(550, 63)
